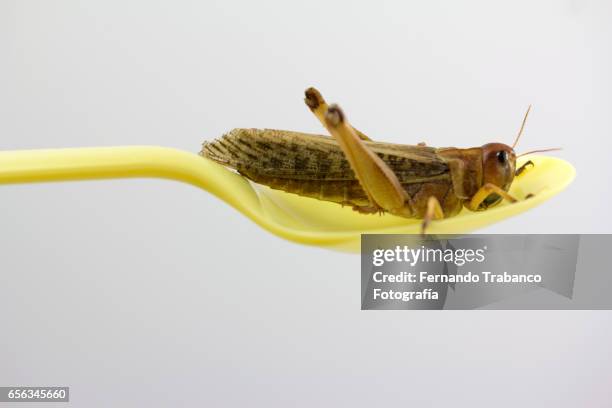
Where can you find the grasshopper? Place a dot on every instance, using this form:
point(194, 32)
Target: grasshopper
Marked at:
point(412, 181)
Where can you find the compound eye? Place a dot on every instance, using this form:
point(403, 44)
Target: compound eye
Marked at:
point(502, 156)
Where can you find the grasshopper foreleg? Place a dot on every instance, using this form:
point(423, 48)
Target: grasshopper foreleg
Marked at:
point(521, 169)
point(485, 191)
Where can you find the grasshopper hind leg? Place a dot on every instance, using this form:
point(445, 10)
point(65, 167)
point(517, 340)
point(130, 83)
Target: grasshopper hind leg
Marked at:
point(377, 180)
point(315, 102)
point(380, 184)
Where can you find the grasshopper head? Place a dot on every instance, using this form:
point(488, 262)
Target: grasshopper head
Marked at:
point(498, 168)
point(499, 164)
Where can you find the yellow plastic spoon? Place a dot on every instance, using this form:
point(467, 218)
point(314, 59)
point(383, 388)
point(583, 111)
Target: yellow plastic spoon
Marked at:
point(304, 220)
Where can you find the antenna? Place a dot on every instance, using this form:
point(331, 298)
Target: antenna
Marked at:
point(540, 151)
point(522, 127)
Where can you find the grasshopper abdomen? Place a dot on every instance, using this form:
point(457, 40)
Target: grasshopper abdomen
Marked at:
point(314, 166)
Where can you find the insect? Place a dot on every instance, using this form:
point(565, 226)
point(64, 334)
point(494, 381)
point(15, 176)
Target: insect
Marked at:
point(413, 181)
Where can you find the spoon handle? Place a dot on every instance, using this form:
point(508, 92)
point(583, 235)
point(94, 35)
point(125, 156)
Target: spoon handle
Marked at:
point(26, 166)
point(96, 163)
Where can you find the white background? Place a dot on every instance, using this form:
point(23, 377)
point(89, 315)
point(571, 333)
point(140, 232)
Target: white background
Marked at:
point(147, 292)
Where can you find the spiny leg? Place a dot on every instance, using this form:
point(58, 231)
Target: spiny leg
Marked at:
point(319, 107)
point(377, 180)
point(434, 212)
point(485, 191)
point(521, 169)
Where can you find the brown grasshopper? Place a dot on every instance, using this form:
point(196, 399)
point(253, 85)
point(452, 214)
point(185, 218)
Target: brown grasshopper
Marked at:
point(373, 177)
